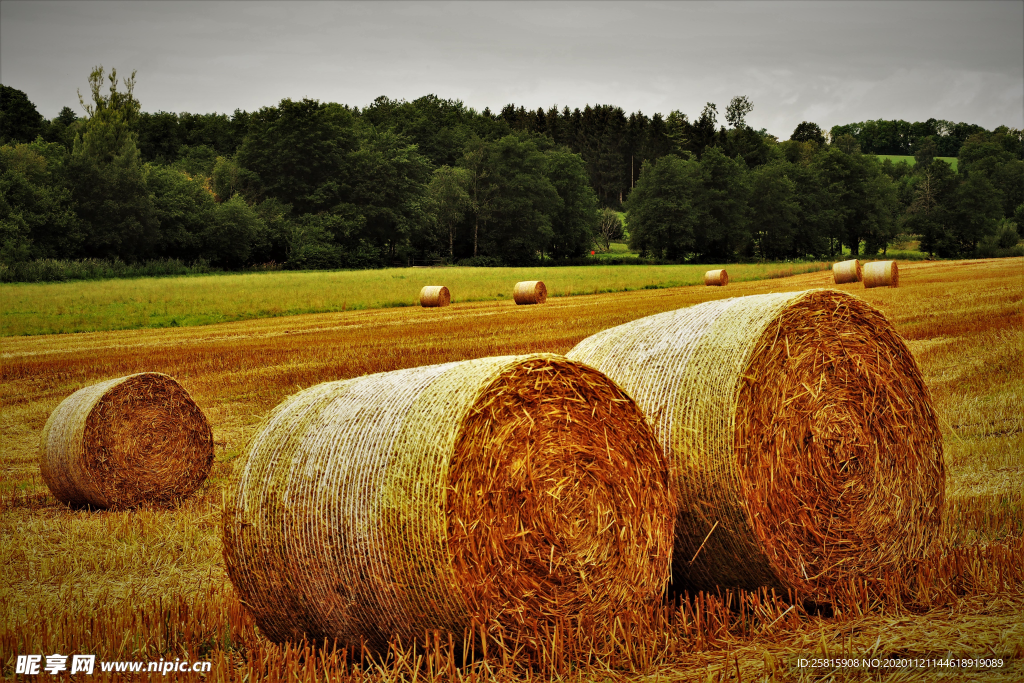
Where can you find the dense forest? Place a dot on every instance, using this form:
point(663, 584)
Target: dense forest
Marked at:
point(308, 184)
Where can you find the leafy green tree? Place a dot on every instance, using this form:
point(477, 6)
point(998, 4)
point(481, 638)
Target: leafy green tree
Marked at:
point(63, 128)
point(37, 217)
point(449, 200)
point(107, 175)
point(482, 186)
point(978, 210)
point(609, 228)
point(19, 119)
point(389, 189)
point(847, 144)
point(229, 237)
point(925, 151)
point(661, 208)
point(776, 210)
point(722, 227)
point(819, 224)
point(184, 206)
point(271, 245)
point(879, 212)
point(574, 222)
point(994, 155)
point(807, 131)
point(748, 144)
point(300, 152)
point(110, 130)
point(736, 112)
point(863, 197)
point(523, 203)
point(229, 178)
point(931, 213)
point(704, 131)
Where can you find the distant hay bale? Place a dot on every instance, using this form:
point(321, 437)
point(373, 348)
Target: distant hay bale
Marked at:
point(846, 271)
point(881, 274)
point(435, 296)
point(514, 492)
point(805, 442)
point(716, 278)
point(530, 292)
point(124, 442)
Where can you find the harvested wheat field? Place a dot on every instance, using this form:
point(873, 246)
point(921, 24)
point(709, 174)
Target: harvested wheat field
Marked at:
point(451, 497)
point(150, 583)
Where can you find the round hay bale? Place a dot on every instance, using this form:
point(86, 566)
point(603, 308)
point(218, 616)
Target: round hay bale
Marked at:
point(804, 440)
point(846, 271)
point(435, 296)
point(124, 442)
point(881, 274)
point(530, 292)
point(716, 278)
point(512, 492)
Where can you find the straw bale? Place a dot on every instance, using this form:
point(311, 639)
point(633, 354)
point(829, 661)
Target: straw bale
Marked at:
point(805, 444)
point(511, 492)
point(126, 441)
point(435, 296)
point(530, 292)
point(846, 271)
point(716, 278)
point(881, 274)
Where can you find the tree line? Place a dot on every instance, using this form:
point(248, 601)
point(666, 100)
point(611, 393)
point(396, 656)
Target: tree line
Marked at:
point(324, 185)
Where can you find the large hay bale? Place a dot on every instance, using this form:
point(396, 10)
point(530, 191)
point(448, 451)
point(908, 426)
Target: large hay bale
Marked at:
point(881, 274)
point(530, 292)
point(435, 296)
point(805, 442)
point(124, 442)
point(716, 278)
point(846, 271)
point(512, 492)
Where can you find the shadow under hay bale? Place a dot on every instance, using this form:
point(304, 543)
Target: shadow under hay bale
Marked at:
point(522, 493)
point(806, 447)
point(530, 292)
point(716, 278)
point(846, 271)
point(881, 274)
point(133, 440)
point(435, 296)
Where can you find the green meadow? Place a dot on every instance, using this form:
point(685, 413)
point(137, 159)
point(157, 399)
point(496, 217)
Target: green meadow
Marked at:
point(92, 306)
point(897, 158)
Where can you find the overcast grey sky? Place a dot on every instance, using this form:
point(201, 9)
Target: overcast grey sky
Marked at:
point(827, 62)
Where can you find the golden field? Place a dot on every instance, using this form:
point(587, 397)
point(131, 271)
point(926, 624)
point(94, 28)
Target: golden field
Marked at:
point(150, 584)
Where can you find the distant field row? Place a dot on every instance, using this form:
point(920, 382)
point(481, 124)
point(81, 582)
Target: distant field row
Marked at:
point(897, 158)
point(92, 306)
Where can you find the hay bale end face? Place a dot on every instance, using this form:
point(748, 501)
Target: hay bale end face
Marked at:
point(846, 271)
point(129, 441)
point(433, 296)
point(881, 274)
point(530, 292)
point(515, 492)
point(805, 442)
point(716, 278)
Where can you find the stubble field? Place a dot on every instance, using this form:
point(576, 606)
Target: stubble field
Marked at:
point(150, 584)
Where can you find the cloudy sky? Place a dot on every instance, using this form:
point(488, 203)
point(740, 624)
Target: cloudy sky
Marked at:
point(827, 62)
